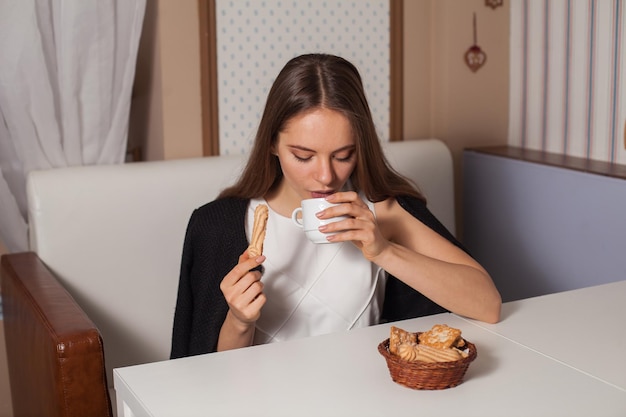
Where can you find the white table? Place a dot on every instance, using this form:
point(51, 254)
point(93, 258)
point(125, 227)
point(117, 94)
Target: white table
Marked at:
point(583, 328)
point(344, 375)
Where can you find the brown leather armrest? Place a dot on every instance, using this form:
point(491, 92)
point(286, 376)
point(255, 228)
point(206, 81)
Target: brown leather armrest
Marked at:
point(55, 352)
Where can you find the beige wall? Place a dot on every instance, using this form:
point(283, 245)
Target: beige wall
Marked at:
point(418, 69)
point(166, 113)
point(442, 97)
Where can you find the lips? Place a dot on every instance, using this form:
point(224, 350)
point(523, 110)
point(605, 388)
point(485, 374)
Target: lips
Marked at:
point(321, 194)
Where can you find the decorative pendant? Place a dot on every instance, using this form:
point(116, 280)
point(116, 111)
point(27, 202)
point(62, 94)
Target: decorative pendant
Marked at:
point(475, 57)
point(494, 3)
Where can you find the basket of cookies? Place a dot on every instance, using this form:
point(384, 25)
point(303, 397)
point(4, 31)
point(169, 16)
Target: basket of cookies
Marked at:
point(431, 360)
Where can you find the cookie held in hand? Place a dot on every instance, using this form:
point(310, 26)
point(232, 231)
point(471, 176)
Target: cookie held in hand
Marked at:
point(261, 213)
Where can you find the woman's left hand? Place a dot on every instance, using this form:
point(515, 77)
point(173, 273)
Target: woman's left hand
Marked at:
point(361, 228)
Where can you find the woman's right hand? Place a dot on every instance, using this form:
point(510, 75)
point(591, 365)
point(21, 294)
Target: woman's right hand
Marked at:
point(243, 290)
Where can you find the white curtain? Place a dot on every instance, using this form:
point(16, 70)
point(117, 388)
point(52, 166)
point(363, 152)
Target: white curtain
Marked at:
point(568, 77)
point(66, 77)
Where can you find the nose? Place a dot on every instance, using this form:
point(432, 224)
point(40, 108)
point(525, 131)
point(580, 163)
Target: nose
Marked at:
point(325, 173)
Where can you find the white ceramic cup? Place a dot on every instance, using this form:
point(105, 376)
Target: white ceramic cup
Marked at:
point(305, 217)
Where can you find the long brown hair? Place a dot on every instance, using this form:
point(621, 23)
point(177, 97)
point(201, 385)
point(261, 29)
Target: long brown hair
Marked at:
point(309, 82)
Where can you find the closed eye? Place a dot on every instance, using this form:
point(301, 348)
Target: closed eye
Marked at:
point(300, 158)
point(344, 156)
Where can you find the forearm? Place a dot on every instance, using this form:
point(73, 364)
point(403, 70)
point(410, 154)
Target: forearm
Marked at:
point(235, 334)
point(463, 288)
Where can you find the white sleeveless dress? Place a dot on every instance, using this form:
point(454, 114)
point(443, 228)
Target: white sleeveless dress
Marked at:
point(313, 289)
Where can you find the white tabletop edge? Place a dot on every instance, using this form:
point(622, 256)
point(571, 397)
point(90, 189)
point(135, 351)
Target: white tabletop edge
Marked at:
point(126, 396)
point(493, 328)
point(478, 324)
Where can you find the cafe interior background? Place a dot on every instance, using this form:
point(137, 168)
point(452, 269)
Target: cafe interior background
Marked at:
point(549, 76)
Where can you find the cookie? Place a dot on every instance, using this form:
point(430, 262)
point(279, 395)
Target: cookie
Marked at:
point(261, 213)
point(441, 336)
point(398, 336)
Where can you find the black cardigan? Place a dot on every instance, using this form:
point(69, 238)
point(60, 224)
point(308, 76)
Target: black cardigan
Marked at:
point(216, 237)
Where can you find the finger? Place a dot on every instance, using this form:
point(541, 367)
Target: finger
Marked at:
point(243, 267)
point(243, 300)
point(364, 224)
point(357, 231)
point(258, 302)
point(252, 311)
point(343, 197)
point(342, 209)
point(248, 281)
point(352, 206)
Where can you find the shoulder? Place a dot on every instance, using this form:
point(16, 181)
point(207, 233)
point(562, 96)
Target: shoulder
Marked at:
point(219, 215)
point(216, 230)
point(401, 206)
point(399, 214)
point(393, 219)
point(223, 209)
point(221, 204)
point(417, 208)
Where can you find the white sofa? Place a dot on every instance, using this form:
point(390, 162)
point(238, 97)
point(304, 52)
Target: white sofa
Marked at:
point(112, 235)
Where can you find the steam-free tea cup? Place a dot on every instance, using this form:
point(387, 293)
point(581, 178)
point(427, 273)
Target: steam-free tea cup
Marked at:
point(305, 217)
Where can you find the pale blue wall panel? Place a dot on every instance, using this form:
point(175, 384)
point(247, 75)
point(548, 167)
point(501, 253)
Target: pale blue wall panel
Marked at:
point(540, 229)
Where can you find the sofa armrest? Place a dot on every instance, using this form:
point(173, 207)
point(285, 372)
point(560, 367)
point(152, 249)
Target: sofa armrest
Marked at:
point(55, 352)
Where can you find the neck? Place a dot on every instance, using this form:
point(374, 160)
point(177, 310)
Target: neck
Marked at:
point(283, 200)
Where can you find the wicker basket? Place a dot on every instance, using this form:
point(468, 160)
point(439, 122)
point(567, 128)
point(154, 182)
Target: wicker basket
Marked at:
point(427, 376)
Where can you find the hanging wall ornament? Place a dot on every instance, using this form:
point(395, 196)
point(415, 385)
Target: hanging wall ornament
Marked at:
point(475, 57)
point(494, 3)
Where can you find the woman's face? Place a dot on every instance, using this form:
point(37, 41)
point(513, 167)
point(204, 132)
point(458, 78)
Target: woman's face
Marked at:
point(317, 154)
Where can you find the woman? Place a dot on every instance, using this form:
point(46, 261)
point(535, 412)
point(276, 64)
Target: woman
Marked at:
point(391, 259)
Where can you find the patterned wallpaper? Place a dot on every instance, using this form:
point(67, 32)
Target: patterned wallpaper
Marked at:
point(567, 77)
point(255, 38)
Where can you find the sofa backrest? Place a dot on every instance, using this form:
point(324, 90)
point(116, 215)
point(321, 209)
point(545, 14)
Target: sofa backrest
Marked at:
point(113, 234)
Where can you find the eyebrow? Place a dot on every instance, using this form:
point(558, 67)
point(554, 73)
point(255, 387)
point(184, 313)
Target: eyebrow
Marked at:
point(305, 149)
